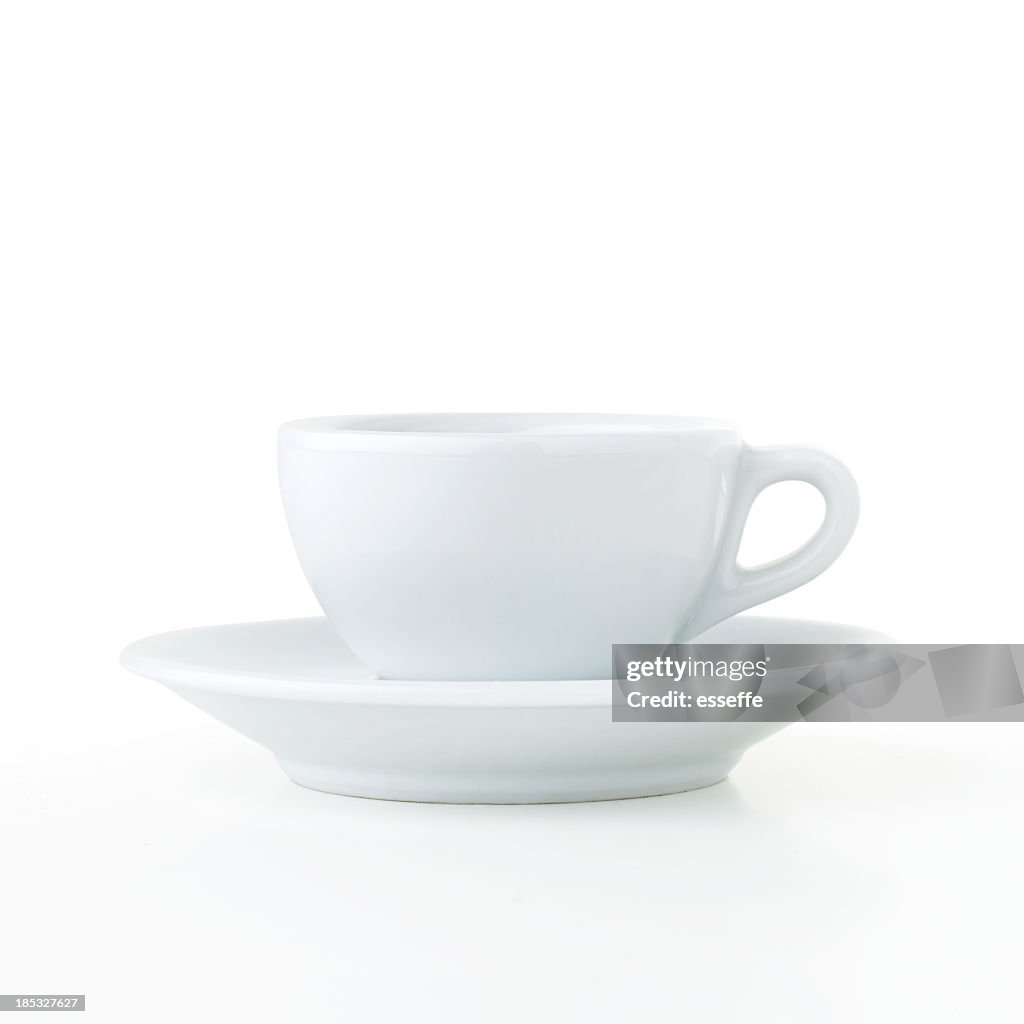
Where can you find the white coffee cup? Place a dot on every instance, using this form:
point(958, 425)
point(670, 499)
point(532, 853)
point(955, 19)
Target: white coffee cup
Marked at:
point(523, 546)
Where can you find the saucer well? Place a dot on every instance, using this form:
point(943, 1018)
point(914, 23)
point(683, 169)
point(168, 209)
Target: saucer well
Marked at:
point(295, 688)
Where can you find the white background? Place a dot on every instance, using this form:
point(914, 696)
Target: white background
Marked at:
point(218, 216)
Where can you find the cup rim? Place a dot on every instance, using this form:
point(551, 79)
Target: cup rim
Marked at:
point(471, 431)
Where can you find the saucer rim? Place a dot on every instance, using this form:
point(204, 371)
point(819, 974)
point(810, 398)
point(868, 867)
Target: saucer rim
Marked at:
point(369, 690)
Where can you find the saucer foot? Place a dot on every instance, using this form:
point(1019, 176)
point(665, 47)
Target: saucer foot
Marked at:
point(505, 789)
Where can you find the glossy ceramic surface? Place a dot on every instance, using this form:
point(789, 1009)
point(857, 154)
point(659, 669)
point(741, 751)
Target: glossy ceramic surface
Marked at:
point(293, 687)
point(523, 546)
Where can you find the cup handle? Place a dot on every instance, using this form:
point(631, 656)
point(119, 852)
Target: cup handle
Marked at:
point(733, 588)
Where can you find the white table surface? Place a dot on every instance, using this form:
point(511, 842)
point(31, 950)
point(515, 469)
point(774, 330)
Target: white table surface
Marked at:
point(166, 868)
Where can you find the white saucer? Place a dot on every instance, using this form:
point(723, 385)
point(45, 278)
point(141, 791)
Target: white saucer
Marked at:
point(295, 688)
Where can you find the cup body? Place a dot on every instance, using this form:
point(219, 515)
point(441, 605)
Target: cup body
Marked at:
point(506, 547)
